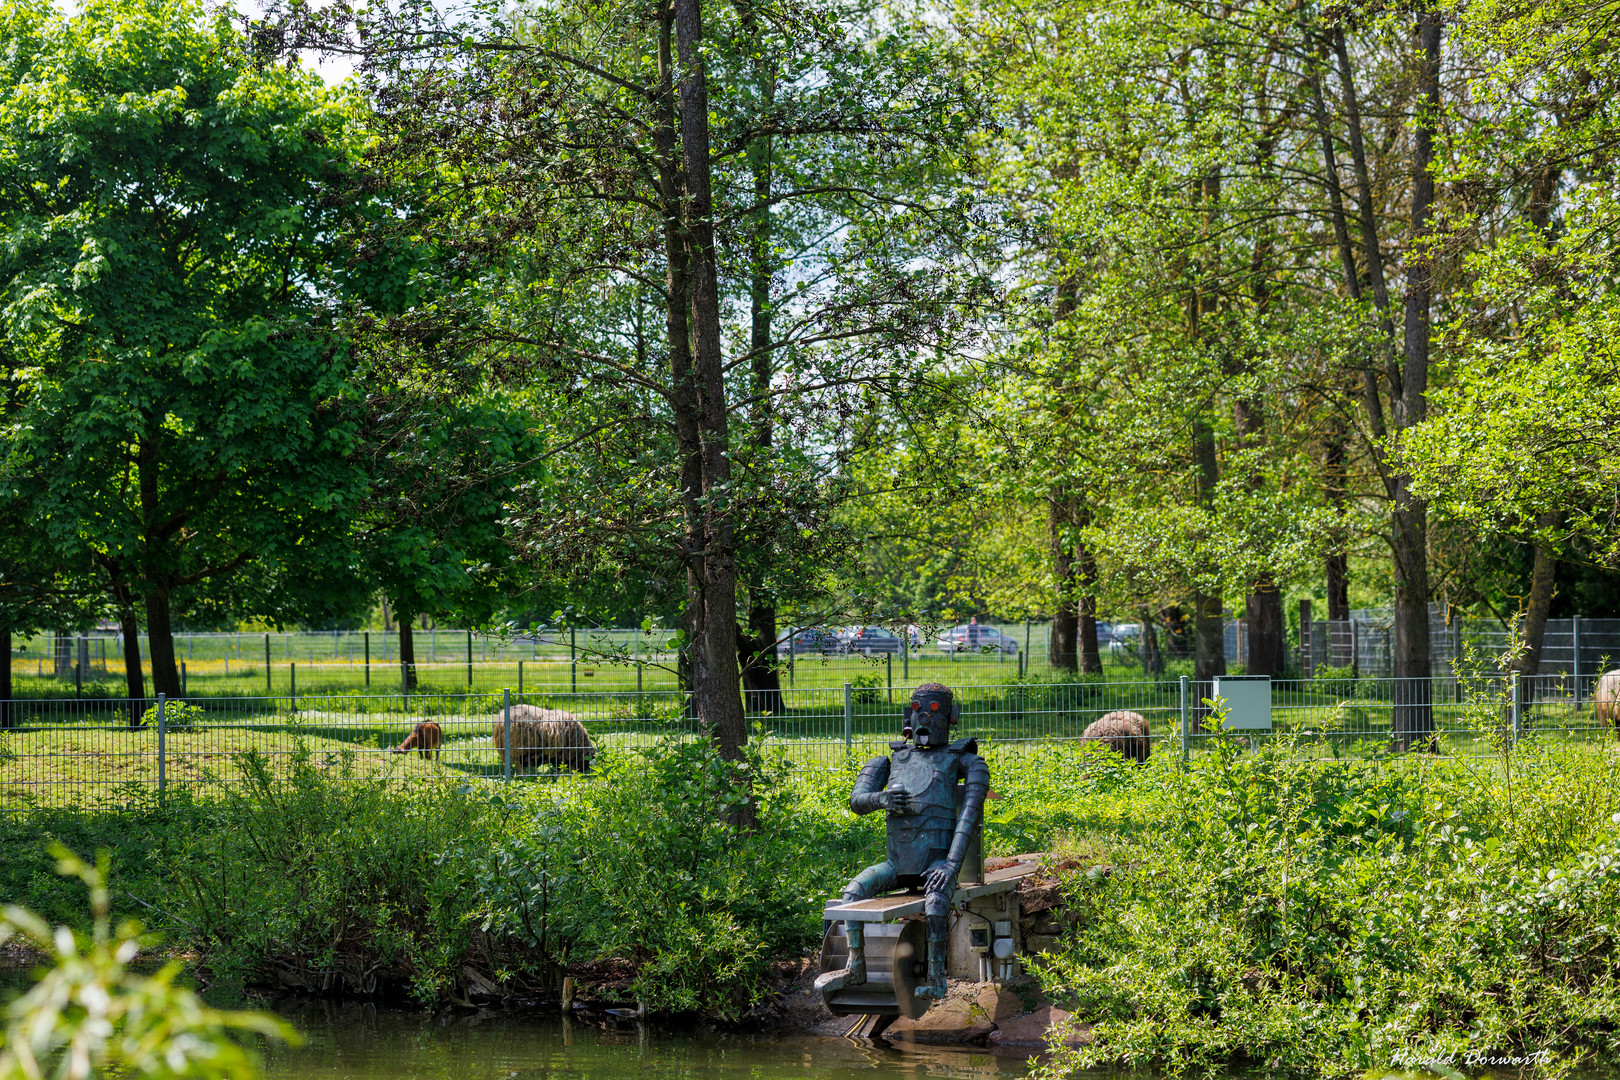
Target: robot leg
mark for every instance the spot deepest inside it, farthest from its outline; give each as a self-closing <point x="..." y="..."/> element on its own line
<point x="937" y="918"/>
<point x="868" y="883"/>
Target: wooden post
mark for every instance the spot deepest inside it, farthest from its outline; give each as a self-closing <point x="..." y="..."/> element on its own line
<point x="267" y="689"/>
<point x="368" y="659"/>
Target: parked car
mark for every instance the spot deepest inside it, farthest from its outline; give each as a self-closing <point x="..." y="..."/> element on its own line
<point x="870" y="639"/>
<point x="809" y="641"/>
<point x="976" y="638"/>
<point x="1124" y="637"/>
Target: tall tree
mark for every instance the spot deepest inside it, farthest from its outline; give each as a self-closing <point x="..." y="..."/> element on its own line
<point x="168" y="212"/>
<point x="596" y="163"/>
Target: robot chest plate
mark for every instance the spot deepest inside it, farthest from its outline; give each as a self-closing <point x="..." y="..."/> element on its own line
<point x="921" y="775"/>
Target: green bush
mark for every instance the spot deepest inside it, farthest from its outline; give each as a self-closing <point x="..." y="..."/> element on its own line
<point x="177" y="716"/>
<point x="1327" y="918"/>
<point x="654" y="863"/>
<point x="335" y="880"/>
<point x="90" y="1014"/>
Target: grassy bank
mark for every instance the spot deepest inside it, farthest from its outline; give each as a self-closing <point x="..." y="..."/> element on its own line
<point x="1264" y="909"/>
<point x="1314" y="918"/>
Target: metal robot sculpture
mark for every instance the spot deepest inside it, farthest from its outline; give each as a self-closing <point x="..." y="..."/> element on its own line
<point x="928" y="835"/>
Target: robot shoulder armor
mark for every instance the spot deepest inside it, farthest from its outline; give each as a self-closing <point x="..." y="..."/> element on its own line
<point x="965" y="746"/>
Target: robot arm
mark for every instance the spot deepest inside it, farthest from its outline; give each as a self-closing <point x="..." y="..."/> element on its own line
<point x="978" y="786"/>
<point x="868" y="793"/>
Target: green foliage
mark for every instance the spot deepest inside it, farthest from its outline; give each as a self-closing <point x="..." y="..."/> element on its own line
<point x="177" y="716"/>
<point x="332" y="875"/>
<point x="167" y="280"/>
<point x="90" y="1015"/>
<point x="650" y="864"/>
<point x="1322" y="918"/>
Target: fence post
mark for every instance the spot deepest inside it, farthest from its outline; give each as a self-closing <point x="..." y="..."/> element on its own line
<point x="573" y="664"/>
<point x="183" y="691"/>
<point x="163" y="734"/>
<point x="888" y="664"/>
<point x="78" y="681"/>
<point x="905" y="656"/>
<point x="1515" y="691"/>
<point x="1186" y="718"/>
<point x="267" y="688"/>
<point x="506" y="723"/>
<point x="469" y="659"/>
<point x="849" y="717"/>
<point x="292" y="679"/>
<point x="520" y="678"/>
<point x="1575" y="663"/>
<point x="368" y="659"/>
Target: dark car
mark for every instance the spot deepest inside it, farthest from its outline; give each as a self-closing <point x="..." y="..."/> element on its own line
<point x="976" y="638"/>
<point x="810" y="641"/>
<point x="870" y="639"/>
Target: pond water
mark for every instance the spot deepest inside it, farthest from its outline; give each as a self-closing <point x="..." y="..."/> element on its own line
<point x="366" y="1042"/>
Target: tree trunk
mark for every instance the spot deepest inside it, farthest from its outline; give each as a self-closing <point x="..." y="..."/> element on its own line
<point x="1090" y="654"/>
<point x="134" y="677"/>
<point x="1064" y="650"/>
<point x="718" y="692"/>
<point x="8" y="717"/>
<point x="1209" y="646"/>
<point x="1413" y="721"/>
<point x="1152" y="657"/>
<point x="1266" y="629"/>
<point x="1527" y="663"/>
<point x="407" y="646"/>
<point x="160" y="638"/>
<point x="761" y="676"/>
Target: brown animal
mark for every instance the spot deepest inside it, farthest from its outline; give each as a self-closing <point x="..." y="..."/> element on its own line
<point x="1606" y="698"/>
<point x="545" y="737"/>
<point x="425" y="738"/>
<point x="1123" y="732"/>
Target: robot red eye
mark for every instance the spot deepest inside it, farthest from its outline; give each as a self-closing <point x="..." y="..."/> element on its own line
<point x="934" y="706"/>
<point x="914" y="705"/>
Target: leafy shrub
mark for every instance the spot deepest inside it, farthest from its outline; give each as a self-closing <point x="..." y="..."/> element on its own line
<point x="89" y="1014"/>
<point x="651" y="863"/>
<point x="866" y="690"/>
<point x="1330" y="917"/>
<point x="332" y="877"/>
<point x="177" y="716"/>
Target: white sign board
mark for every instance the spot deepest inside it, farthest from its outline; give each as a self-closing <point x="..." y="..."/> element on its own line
<point x="1248" y="701"/>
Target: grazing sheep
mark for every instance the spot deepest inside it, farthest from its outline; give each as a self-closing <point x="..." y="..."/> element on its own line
<point x="545" y="737"/>
<point x="1606" y="698"/>
<point x="425" y="738"/>
<point x="1123" y="732"/>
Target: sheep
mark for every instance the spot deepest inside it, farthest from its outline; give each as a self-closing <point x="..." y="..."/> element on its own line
<point x="425" y="738"/>
<point x="545" y="737"/>
<point x="1606" y="698"/>
<point x="1124" y="732"/>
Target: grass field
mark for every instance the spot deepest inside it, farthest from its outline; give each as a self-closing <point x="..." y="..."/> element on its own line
<point x="228" y="677"/>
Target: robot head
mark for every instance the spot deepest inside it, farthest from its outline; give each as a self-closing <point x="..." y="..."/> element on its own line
<point x="929" y="717"/>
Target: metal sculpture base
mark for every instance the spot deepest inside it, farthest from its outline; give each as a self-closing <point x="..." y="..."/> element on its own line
<point x="896" y="964"/>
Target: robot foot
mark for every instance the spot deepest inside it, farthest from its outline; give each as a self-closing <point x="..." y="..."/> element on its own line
<point x="934" y="990"/>
<point x="833" y="981"/>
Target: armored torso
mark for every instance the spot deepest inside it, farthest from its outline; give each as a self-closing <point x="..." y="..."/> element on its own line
<point x="922" y="837"/>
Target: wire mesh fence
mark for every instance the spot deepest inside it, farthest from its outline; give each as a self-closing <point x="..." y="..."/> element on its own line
<point x="110" y="752"/>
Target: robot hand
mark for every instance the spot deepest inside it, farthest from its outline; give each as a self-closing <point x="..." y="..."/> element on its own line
<point x="939" y="875"/>
<point x="896" y="800"/>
